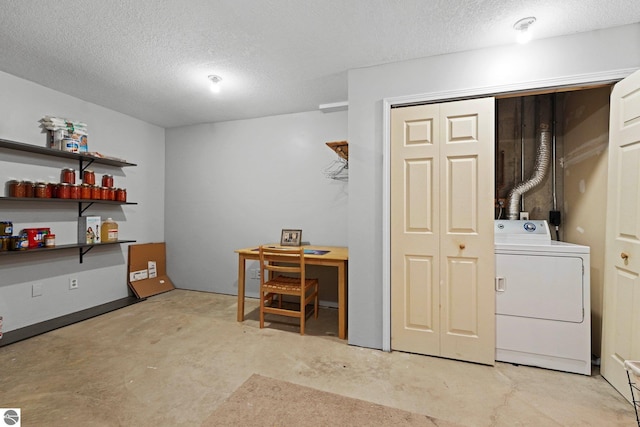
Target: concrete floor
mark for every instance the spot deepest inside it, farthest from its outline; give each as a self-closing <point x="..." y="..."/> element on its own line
<point x="172" y="359"/>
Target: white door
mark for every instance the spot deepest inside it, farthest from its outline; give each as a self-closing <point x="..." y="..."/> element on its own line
<point x="415" y="229"/>
<point x="442" y="262"/>
<point x="621" y="310"/>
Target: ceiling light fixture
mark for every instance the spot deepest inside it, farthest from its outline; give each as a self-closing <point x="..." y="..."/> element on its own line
<point x="215" y="83"/>
<point x="522" y="27"/>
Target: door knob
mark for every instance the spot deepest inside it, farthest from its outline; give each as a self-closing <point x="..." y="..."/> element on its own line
<point x="624" y="256"/>
<point x="462" y="246"/>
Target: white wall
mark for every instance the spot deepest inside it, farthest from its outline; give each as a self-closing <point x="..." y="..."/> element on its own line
<point x="236" y="184"/>
<point x="586" y="139"/>
<point x="102" y="276"/>
<point x="576" y="55"/>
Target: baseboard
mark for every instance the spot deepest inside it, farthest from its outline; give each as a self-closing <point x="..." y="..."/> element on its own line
<point x="66" y="320"/>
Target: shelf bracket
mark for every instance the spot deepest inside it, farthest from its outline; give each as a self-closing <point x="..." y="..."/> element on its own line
<point x="83" y="252"/>
<point x="83" y="166"/>
<point x="82" y="210"/>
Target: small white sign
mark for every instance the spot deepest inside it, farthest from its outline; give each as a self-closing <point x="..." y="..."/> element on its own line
<point x="138" y="275"/>
<point x="11" y="417"/>
<point x="153" y="273"/>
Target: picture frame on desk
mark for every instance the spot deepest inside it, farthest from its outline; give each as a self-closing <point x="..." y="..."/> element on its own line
<point x="290" y="237"/>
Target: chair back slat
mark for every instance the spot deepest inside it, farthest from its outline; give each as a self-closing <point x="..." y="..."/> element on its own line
<point x="273" y="258"/>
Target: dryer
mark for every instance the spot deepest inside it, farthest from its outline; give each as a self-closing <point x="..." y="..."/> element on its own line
<point x="543" y="315"/>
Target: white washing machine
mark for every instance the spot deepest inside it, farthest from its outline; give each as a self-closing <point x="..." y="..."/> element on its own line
<point x="543" y="315"/>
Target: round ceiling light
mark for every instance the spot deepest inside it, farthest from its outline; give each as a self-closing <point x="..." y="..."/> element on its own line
<point x="215" y="83"/>
<point x="522" y="27"/>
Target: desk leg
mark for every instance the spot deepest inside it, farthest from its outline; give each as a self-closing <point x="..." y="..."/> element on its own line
<point x="342" y="301"/>
<point x="241" y="270"/>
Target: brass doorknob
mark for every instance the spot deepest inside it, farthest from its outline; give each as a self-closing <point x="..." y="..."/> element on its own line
<point x="462" y="246"/>
<point x="624" y="256"/>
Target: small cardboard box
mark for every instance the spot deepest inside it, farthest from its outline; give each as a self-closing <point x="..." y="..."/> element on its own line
<point x="89" y="229"/>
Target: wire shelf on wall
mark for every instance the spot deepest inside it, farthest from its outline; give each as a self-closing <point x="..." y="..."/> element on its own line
<point x="338" y="169"/>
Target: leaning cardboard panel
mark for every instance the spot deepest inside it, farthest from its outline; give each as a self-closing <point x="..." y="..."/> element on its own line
<point x="148" y="269"/>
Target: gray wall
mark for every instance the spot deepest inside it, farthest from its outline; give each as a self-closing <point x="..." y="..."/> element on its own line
<point x="557" y="58"/>
<point x="102" y="276"/>
<point x="237" y="184"/>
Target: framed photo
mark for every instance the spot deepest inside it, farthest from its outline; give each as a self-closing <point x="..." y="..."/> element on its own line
<point x="290" y="237"/>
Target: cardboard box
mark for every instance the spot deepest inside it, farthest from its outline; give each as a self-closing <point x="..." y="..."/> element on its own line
<point x="147" y="269"/>
<point x="89" y="229"/>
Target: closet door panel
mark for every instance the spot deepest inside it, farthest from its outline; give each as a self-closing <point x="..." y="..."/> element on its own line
<point x="415" y="262"/>
<point x="466" y="230"/>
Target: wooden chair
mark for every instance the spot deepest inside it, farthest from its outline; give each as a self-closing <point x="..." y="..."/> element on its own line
<point x="274" y="261"/>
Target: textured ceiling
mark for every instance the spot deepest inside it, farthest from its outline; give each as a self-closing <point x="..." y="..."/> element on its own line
<point x="150" y="58"/>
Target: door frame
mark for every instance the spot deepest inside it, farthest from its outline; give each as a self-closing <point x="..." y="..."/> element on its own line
<point x="454" y="95"/>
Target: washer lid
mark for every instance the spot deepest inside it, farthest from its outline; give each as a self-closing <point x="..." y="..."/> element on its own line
<point x="530" y="232"/>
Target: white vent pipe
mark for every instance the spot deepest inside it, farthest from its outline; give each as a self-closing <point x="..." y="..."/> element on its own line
<point x="539" y="172"/>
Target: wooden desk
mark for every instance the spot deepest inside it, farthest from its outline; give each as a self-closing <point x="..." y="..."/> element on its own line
<point x="336" y="257"/>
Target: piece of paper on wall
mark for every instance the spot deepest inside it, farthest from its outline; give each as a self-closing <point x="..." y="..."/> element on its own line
<point x="153" y="273"/>
<point x="138" y="275"/>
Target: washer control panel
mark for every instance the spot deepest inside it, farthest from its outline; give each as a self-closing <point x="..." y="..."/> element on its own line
<point x="522" y="231"/>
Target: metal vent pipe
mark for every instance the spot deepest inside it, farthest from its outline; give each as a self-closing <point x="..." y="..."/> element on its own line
<point x="539" y="172"/>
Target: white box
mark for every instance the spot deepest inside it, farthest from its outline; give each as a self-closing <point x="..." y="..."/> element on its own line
<point x="89" y="229"/>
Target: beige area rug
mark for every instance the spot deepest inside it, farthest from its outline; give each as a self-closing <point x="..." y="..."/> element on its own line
<point x="263" y="401"/>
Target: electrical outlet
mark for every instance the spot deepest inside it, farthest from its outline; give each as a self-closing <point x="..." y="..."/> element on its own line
<point x="255" y="273"/>
<point x="73" y="283"/>
<point x="36" y="289"/>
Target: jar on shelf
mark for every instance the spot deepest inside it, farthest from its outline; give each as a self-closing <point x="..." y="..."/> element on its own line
<point x="40" y="190"/>
<point x="49" y="240"/>
<point x="96" y="193"/>
<point x="16" y="188"/>
<point x="88" y="177"/>
<point x="6" y="228"/>
<point x="74" y="191"/>
<point x="5" y="243"/>
<point x="85" y="191"/>
<point x="52" y="189"/>
<point x="19" y="243"/>
<point x="63" y="191"/>
<point x="68" y="176"/>
<point x="29" y="188"/>
<point x="107" y="180"/>
<point x="104" y="193"/>
<point x="121" y="195"/>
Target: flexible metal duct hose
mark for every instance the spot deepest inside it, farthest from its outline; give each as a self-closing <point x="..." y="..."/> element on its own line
<point x="539" y="172"/>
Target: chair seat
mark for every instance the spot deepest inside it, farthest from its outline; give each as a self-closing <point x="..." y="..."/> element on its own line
<point x="288" y="284"/>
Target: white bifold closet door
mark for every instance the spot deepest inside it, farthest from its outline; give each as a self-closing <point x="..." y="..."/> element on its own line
<point x="442" y="248"/>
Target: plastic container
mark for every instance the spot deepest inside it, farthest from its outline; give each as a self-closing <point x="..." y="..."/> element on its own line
<point x="109" y="231"/>
<point x="49" y="240"/>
